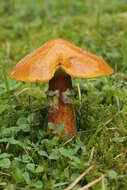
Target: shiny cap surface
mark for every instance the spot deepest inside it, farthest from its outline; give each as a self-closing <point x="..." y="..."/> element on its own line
<point x="41" y="64"/>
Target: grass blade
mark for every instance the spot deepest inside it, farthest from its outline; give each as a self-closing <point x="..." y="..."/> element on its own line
<point x="7" y="86"/>
<point x="93" y="137"/>
<point x="124" y="49"/>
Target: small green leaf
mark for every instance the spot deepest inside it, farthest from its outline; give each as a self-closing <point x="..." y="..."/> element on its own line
<point x="25" y="158"/>
<point x="43" y="153"/>
<point x="5" y="155"/>
<point x="67" y="152"/>
<point x="54" y="156"/>
<point x="31" y="167"/>
<point x="60" y="128"/>
<point x="118" y="139"/>
<point x="18" y="175"/>
<point x="21" y="120"/>
<point x="2" y="108"/>
<point x="38" y="184"/>
<point x="112" y="174"/>
<point x="24" y="127"/>
<point x="26" y="177"/>
<point x="5" y="163"/>
<point x="39" y="169"/>
<point x="51" y="126"/>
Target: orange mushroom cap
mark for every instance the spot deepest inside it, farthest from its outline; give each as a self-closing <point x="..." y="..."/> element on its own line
<point x="41" y="64"/>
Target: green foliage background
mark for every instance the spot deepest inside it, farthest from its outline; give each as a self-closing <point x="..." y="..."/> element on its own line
<point x="30" y="157"/>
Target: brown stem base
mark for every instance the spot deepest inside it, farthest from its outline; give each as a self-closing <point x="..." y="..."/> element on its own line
<point x="64" y="114"/>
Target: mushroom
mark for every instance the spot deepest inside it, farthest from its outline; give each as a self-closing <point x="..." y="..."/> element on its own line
<point x="57" y="61"/>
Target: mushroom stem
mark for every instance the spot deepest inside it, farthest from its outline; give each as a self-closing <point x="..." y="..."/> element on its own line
<point x="61" y="109"/>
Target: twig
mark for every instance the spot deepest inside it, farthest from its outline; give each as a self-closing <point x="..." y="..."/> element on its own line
<point x="103" y="184"/>
<point x="3" y="173"/>
<point x="26" y="89"/>
<point x="111" y="128"/>
<point x="79" y="178"/>
<point x="68" y="141"/>
<point x="92" y="183"/>
<point x="79" y="92"/>
<point x="117" y="103"/>
<point x="119" y="155"/>
<point x="91" y="156"/>
<point x="60" y="184"/>
<point x="8" y="50"/>
<point x="86" y="131"/>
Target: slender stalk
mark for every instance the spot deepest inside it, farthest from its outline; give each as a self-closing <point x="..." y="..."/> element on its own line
<point x="61" y="109"/>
